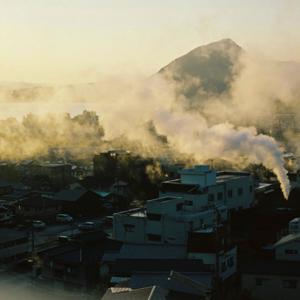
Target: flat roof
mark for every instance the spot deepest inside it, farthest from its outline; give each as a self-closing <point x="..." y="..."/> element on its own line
<point x="164" y="199"/>
<point x="223" y="176"/>
<point x="135" y="212"/>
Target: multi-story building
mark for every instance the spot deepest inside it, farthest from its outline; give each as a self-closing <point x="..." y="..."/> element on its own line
<point x="187" y="225"/>
<point x="165" y="220"/>
<point x="201" y="187"/>
<point x="187" y="204"/>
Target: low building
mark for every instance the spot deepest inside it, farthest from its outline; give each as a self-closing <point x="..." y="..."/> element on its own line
<point x="36" y="206"/>
<point x="277" y="280"/>
<point x="75" y="264"/>
<point x="279" y="277"/>
<point x="82" y="201"/>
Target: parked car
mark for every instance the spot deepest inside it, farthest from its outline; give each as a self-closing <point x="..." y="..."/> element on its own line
<point x="63" y="238"/>
<point x="37" y="224"/>
<point x="87" y="226"/>
<point x="64" y="218"/>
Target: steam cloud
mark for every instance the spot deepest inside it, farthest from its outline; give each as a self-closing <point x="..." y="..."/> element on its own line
<point x="224" y="128"/>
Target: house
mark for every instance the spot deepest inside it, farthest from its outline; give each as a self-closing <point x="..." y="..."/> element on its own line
<point x="148" y="293"/>
<point x="37" y="205"/>
<point x="179" y="285"/>
<point x="82" y="201"/>
<point x="278" y="277"/>
<point x="277" y="280"/>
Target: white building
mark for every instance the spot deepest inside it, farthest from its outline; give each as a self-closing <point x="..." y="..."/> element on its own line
<point x="201" y="187"/>
<point x="165" y="220"/>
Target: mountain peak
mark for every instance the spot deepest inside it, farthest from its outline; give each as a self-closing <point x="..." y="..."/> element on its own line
<point x="209" y="69"/>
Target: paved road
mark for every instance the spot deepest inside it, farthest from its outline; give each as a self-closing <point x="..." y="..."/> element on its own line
<point x="53" y="231"/>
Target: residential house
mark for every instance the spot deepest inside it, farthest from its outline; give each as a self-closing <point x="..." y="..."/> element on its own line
<point x="82" y="201"/>
<point x="38" y="206"/>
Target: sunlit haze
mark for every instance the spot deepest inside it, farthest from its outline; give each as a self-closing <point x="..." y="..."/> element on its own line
<point x="64" y="41"/>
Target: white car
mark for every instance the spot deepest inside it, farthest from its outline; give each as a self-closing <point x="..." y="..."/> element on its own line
<point x="87" y="226"/>
<point x="64" y="218"/>
<point x="37" y="224"/>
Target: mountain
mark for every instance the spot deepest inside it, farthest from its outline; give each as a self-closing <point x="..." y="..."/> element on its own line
<point x="205" y="71"/>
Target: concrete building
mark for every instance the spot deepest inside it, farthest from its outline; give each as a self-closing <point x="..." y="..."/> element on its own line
<point x="188" y="204"/>
<point x="165" y="220"/>
<point x="201" y="187"/>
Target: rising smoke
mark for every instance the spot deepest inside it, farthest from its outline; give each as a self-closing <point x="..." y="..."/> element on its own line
<point x="224" y="128"/>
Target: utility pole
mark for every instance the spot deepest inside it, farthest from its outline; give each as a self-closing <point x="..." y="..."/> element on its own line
<point x="32" y="240"/>
<point x="217" y="258"/>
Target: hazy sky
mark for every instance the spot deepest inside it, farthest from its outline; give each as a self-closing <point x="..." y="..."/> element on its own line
<point x="81" y="40"/>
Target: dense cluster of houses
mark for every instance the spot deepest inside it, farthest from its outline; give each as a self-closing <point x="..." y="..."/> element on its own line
<point x="207" y="235"/>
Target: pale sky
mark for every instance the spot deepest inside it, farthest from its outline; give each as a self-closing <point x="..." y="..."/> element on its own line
<point x="65" y="41"/>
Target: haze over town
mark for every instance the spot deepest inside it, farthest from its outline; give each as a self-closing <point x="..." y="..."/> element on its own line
<point x="185" y="113"/>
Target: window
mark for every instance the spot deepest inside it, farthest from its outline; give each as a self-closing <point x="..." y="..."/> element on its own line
<point x="211" y="197"/>
<point x="129" y="227"/>
<point x="240" y="191"/>
<point x="223" y="267"/>
<point x="154" y="237"/>
<point x="289" y="284"/>
<point x="229" y="193"/>
<point x="220" y="196"/>
<point x="251" y="189"/>
<point x="291" y="251"/>
<point x="260" y="281"/>
<point x="154" y="217"/>
<point x="230" y="262"/>
<point x="179" y="206"/>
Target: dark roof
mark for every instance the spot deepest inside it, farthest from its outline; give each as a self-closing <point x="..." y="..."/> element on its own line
<point x="70" y="195"/>
<point x="177" y="186"/>
<point x="125" y="267"/>
<point x="188" y="284"/>
<point x="274" y="267"/>
<point x="120" y="183"/>
<point x="148" y="293"/>
<point x="73" y="252"/>
<point x="14" y="184"/>
<point x="15" y="195"/>
<point x="38" y="201"/>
